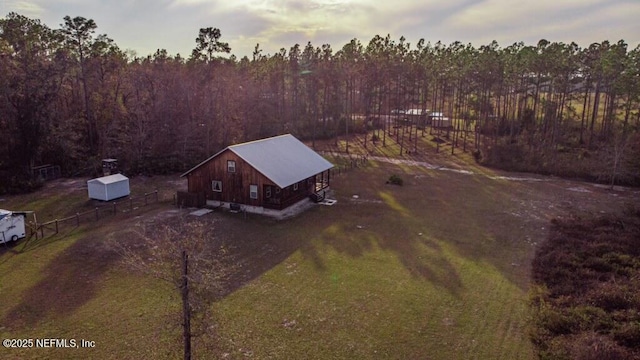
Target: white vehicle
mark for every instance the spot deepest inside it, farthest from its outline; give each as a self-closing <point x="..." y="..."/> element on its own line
<point x="11" y="226"/>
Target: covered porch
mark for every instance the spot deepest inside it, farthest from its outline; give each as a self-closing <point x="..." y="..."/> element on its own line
<point x="274" y="197"/>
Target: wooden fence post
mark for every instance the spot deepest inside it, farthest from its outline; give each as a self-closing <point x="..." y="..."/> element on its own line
<point x="130" y="204"/>
<point x="35" y="224"/>
<point x="114" y="208"/>
<point x="145" y="199"/>
<point x="97" y="218"/>
<point x="56" y="226"/>
<point x="186" y="309"/>
<point x="156" y="195"/>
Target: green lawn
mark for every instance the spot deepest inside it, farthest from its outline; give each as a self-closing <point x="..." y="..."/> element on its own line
<point x="435" y="269"/>
<point x="401" y="272"/>
<point x="70" y="286"/>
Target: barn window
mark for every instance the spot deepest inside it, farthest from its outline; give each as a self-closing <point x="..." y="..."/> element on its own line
<point x="267" y="192"/>
<point x="231" y="166"/>
<point x="216" y="185"/>
<point x="295" y="187"/>
<point x="253" y="191"/>
<point x="277" y="190"/>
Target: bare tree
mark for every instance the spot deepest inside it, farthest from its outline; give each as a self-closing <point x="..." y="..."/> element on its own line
<point x="620" y="154"/>
<point x="185" y="255"/>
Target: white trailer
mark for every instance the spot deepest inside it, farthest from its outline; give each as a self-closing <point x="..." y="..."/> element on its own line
<point x="12" y="226"/>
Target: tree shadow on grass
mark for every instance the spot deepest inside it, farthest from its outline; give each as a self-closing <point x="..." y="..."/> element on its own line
<point x="352" y="228"/>
<point x="430" y="265"/>
<point x="434" y="216"/>
<point x="69" y="281"/>
<point x="256" y="245"/>
<point x="10" y="247"/>
<point x="259" y="245"/>
<point x="73" y="277"/>
<point x="364" y="229"/>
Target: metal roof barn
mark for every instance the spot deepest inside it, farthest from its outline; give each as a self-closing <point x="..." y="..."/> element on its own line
<point x="283" y="159"/>
<point x="107" y="188"/>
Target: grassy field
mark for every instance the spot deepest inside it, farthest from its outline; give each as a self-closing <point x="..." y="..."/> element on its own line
<point x="436" y="269"/>
<point x="388" y="275"/>
<point x="71" y="285"/>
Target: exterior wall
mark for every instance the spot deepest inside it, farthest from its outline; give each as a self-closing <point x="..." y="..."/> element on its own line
<point x="97" y="190"/>
<point x="117" y="189"/>
<point x="235" y="186"/>
<point x="278" y="214"/>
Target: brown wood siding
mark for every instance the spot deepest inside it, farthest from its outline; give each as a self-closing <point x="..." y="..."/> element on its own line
<point x="288" y="196"/>
<point x="235" y="186"/>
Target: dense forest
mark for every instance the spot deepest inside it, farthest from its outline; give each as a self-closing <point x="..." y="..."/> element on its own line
<point x="71" y="97"/>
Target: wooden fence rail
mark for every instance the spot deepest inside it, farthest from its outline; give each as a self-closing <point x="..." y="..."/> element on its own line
<point x="349" y="162"/>
<point x="108" y="209"/>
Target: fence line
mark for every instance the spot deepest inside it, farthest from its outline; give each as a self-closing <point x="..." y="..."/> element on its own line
<point x="99" y="212"/>
<point x="353" y="161"/>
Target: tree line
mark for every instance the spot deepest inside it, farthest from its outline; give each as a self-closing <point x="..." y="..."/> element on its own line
<point x="71" y="97"/>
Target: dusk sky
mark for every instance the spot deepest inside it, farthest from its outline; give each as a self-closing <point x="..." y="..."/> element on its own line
<point x="147" y="25"/>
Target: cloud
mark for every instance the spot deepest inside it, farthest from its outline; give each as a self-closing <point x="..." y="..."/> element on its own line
<point x="529" y="21"/>
<point x="319" y="21"/>
<point x="146" y="25"/>
<point x="475" y="21"/>
<point x="27" y="8"/>
<point x="182" y="3"/>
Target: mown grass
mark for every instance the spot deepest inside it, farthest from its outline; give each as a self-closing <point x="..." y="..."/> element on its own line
<point x="69" y="286"/>
<point x="434" y="269"/>
<point x="400" y="272"/>
<point x="128" y="317"/>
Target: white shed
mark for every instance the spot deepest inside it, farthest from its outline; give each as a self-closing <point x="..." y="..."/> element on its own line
<point x="108" y="187"/>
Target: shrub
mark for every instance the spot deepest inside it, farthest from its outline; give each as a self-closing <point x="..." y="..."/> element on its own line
<point x="18" y="183"/>
<point x="395" y="180"/>
<point x="628" y="334"/>
<point x="611" y="296"/>
<point x="477" y="155"/>
<point x="584" y="300"/>
<point x="593" y="346"/>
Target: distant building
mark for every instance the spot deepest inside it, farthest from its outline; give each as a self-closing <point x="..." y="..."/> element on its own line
<point x="272" y="173"/>
<point x="416" y="112"/>
<point x="438" y="120"/>
<point x="415" y="116"/>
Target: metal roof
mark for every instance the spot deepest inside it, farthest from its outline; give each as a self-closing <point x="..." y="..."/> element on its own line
<point x="283" y="159"/>
<point x="109" y="179"/>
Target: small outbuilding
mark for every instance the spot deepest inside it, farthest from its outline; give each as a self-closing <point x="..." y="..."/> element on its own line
<point x="107" y="188"/>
